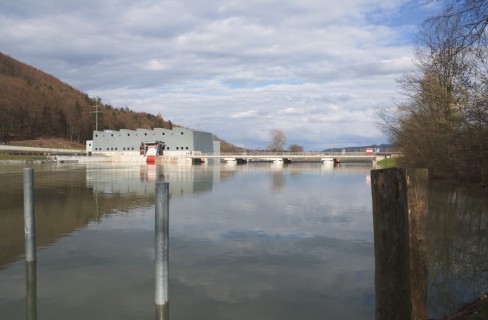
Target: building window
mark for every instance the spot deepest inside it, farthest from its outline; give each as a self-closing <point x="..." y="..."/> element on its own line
<point x="177" y="148"/>
<point x="181" y="132"/>
<point x="132" y="148"/>
<point x="128" y="134"/>
<point x="123" y="149"/>
<point x="108" y="149"/>
<point x="145" y="133"/>
<point x="167" y="148"/>
<point x="186" y="148"/>
<point x="112" y="135"/>
<point x="115" y="149"/>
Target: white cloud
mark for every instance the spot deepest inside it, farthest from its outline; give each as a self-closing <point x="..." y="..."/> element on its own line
<point x="315" y="69"/>
<point x="245" y="114"/>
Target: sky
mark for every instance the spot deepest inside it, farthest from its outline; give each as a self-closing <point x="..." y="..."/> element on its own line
<point x="319" y="70"/>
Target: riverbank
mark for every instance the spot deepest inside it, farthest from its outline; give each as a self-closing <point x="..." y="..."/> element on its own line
<point x="387" y="163"/>
<point x="53" y="143"/>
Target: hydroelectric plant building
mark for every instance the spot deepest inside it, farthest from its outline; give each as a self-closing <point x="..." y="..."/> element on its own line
<point x="177" y="141"/>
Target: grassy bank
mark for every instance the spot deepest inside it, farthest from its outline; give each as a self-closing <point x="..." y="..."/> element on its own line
<point x="387" y="163"/>
<point x="54" y="143"/>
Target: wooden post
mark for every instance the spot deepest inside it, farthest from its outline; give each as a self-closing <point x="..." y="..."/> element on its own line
<point x="417" y="184"/>
<point x="392" y="268"/>
<point x="400" y="234"/>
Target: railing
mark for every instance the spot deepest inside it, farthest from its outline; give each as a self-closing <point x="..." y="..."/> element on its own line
<point x="268" y="154"/>
<point x="40" y="150"/>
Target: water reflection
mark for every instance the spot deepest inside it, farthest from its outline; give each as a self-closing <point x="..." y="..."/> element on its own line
<point x="328" y="166"/>
<point x="162" y="312"/>
<point x="139" y="180"/>
<point x="238" y="247"/>
<point x="278" y="181"/>
<point x="458" y="247"/>
<point x="62" y="202"/>
<point x="246" y="242"/>
<point x="69" y="198"/>
<point x="31" y="290"/>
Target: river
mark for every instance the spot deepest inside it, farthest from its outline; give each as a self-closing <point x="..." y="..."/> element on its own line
<point x="256" y="241"/>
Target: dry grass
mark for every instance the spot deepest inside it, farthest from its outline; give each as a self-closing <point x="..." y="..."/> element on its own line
<point x="44" y="142"/>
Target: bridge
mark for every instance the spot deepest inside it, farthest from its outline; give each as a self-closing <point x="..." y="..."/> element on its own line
<point x="288" y="157"/>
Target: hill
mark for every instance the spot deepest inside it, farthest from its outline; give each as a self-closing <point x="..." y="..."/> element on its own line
<point x="383" y="147"/>
<point x="35" y="104"/>
<point x="227" y="147"/>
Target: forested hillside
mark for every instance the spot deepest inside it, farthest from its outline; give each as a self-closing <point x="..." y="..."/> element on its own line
<point x="34" y="104"/>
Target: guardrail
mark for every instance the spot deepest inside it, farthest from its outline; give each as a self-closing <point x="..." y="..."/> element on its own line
<point x="40" y="150"/>
<point x="290" y="155"/>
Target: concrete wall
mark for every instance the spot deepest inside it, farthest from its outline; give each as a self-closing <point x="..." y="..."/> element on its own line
<point x="177" y="139"/>
<point x="203" y="141"/>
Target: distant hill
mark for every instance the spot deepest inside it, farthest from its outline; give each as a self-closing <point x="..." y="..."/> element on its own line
<point x="35" y="104"/>
<point x="383" y="147"/>
<point x="228" y="147"/>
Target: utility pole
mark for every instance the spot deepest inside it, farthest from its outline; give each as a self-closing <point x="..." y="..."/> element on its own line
<point x="96" y="114"/>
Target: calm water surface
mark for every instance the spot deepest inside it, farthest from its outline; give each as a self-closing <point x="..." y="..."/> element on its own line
<point x="246" y="242"/>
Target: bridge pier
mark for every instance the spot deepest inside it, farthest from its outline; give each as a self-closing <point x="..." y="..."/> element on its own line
<point x="328" y="160"/>
<point x="231" y="160"/>
<point x="197" y="161"/>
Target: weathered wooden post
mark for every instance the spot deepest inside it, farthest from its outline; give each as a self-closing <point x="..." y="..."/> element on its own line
<point x="162" y="241"/>
<point x="417" y="184"/>
<point x="400" y="240"/>
<point x="392" y="267"/>
<point x="29" y="216"/>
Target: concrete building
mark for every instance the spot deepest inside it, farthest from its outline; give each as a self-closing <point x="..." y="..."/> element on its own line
<point x="177" y="142"/>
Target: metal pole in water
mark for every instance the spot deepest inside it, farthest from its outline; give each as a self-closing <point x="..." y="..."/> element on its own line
<point x="29" y="216"/>
<point x="31" y="290"/>
<point x="162" y="312"/>
<point x="162" y="240"/>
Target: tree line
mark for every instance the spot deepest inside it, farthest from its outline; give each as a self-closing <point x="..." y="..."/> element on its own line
<point x="442" y="122"/>
<point x="34" y="104"/>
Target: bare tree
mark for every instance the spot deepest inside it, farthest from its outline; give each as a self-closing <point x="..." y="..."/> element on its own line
<point x="442" y="123"/>
<point x="295" y="148"/>
<point x="277" y="140"/>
